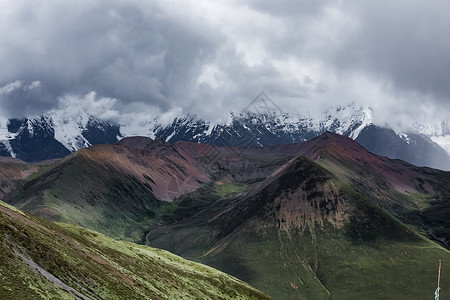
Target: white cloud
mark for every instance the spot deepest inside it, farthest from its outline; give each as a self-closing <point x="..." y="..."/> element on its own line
<point x="11" y="87"/>
<point x="102" y="108"/>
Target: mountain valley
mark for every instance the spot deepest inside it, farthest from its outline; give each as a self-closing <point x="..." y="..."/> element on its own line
<point x="224" y="150"/>
<point x="323" y="219"/>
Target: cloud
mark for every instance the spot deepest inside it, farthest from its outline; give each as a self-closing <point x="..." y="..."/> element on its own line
<point x="20" y="99"/>
<point x="404" y="43"/>
<point x="212" y="57"/>
<point x="11" y="87"/>
<point x="102" y="108"/>
<point x="126" y="50"/>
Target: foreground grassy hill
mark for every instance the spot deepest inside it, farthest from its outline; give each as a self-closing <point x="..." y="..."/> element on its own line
<point x="45" y="260"/>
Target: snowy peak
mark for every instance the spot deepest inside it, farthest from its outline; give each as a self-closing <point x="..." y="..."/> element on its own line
<point x="255" y="129"/>
<point x="252" y="129"/>
<point x="53" y="135"/>
<point x="62" y="131"/>
<point x="439" y="129"/>
<point x="438" y="132"/>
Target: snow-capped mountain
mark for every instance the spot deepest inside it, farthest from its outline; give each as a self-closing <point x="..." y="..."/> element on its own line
<point x="438" y="132"/>
<point x="413" y="147"/>
<point x="53" y="135"/>
<point x="257" y="130"/>
<point x="61" y="132"/>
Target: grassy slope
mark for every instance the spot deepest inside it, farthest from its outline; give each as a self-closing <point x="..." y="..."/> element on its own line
<point x="372" y="256"/>
<point x="427" y="209"/>
<point x="114" y="189"/>
<point x="418" y="196"/>
<point x="96" y="266"/>
<point x="95" y="196"/>
<point x="230" y="189"/>
<point x="379" y="257"/>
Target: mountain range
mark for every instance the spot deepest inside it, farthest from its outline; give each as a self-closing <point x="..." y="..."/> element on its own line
<point x="59" y="133"/>
<point x="321" y="219"/>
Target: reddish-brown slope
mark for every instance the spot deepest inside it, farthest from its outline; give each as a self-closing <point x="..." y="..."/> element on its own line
<point x="419" y="196"/>
<point x="370" y="172"/>
<point x="110" y="188"/>
<point x="167" y="170"/>
<point x="379" y="178"/>
<point x="13" y="170"/>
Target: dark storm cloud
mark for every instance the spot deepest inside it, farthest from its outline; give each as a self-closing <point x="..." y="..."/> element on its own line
<point x="405" y="42"/>
<point x="402" y="41"/>
<point x="289" y="8"/>
<point x="210" y="57"/>
<point x="20" y="99"/>
<point x="129" y="51"/>
<point x="401" y="47"/>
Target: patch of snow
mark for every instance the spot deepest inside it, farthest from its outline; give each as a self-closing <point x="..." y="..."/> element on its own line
<point x="366" y="120"/>
<point x="6" y="136"/>
<point x="68" y="127"/>
<point x="443" y="141"/>
<point x="170" y="136"/>
<point x="404" y="137"/>
<point x="209" y="129"/>
<point x="9" y="148"/>
<point x="439" y="133"/>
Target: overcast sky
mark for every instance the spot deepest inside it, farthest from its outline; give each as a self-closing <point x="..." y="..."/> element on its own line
<point x="206" y="57"/>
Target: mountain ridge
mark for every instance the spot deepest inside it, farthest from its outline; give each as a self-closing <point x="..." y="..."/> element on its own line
<point x="291" y="223"/>
<point x="261" y="211"/>
<point x="58" y="134"/>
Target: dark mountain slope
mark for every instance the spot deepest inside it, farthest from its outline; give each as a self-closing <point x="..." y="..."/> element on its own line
<point x="416" y="148"/>
<point x="414" y="194"/>
<point x="44" y="260"/>
<point x="35" y="140"/>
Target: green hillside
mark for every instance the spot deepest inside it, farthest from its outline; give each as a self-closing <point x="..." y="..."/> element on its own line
<point x="45" y="260"/>
<point x="111" y="189"/>
<point x="304" y="234"/>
